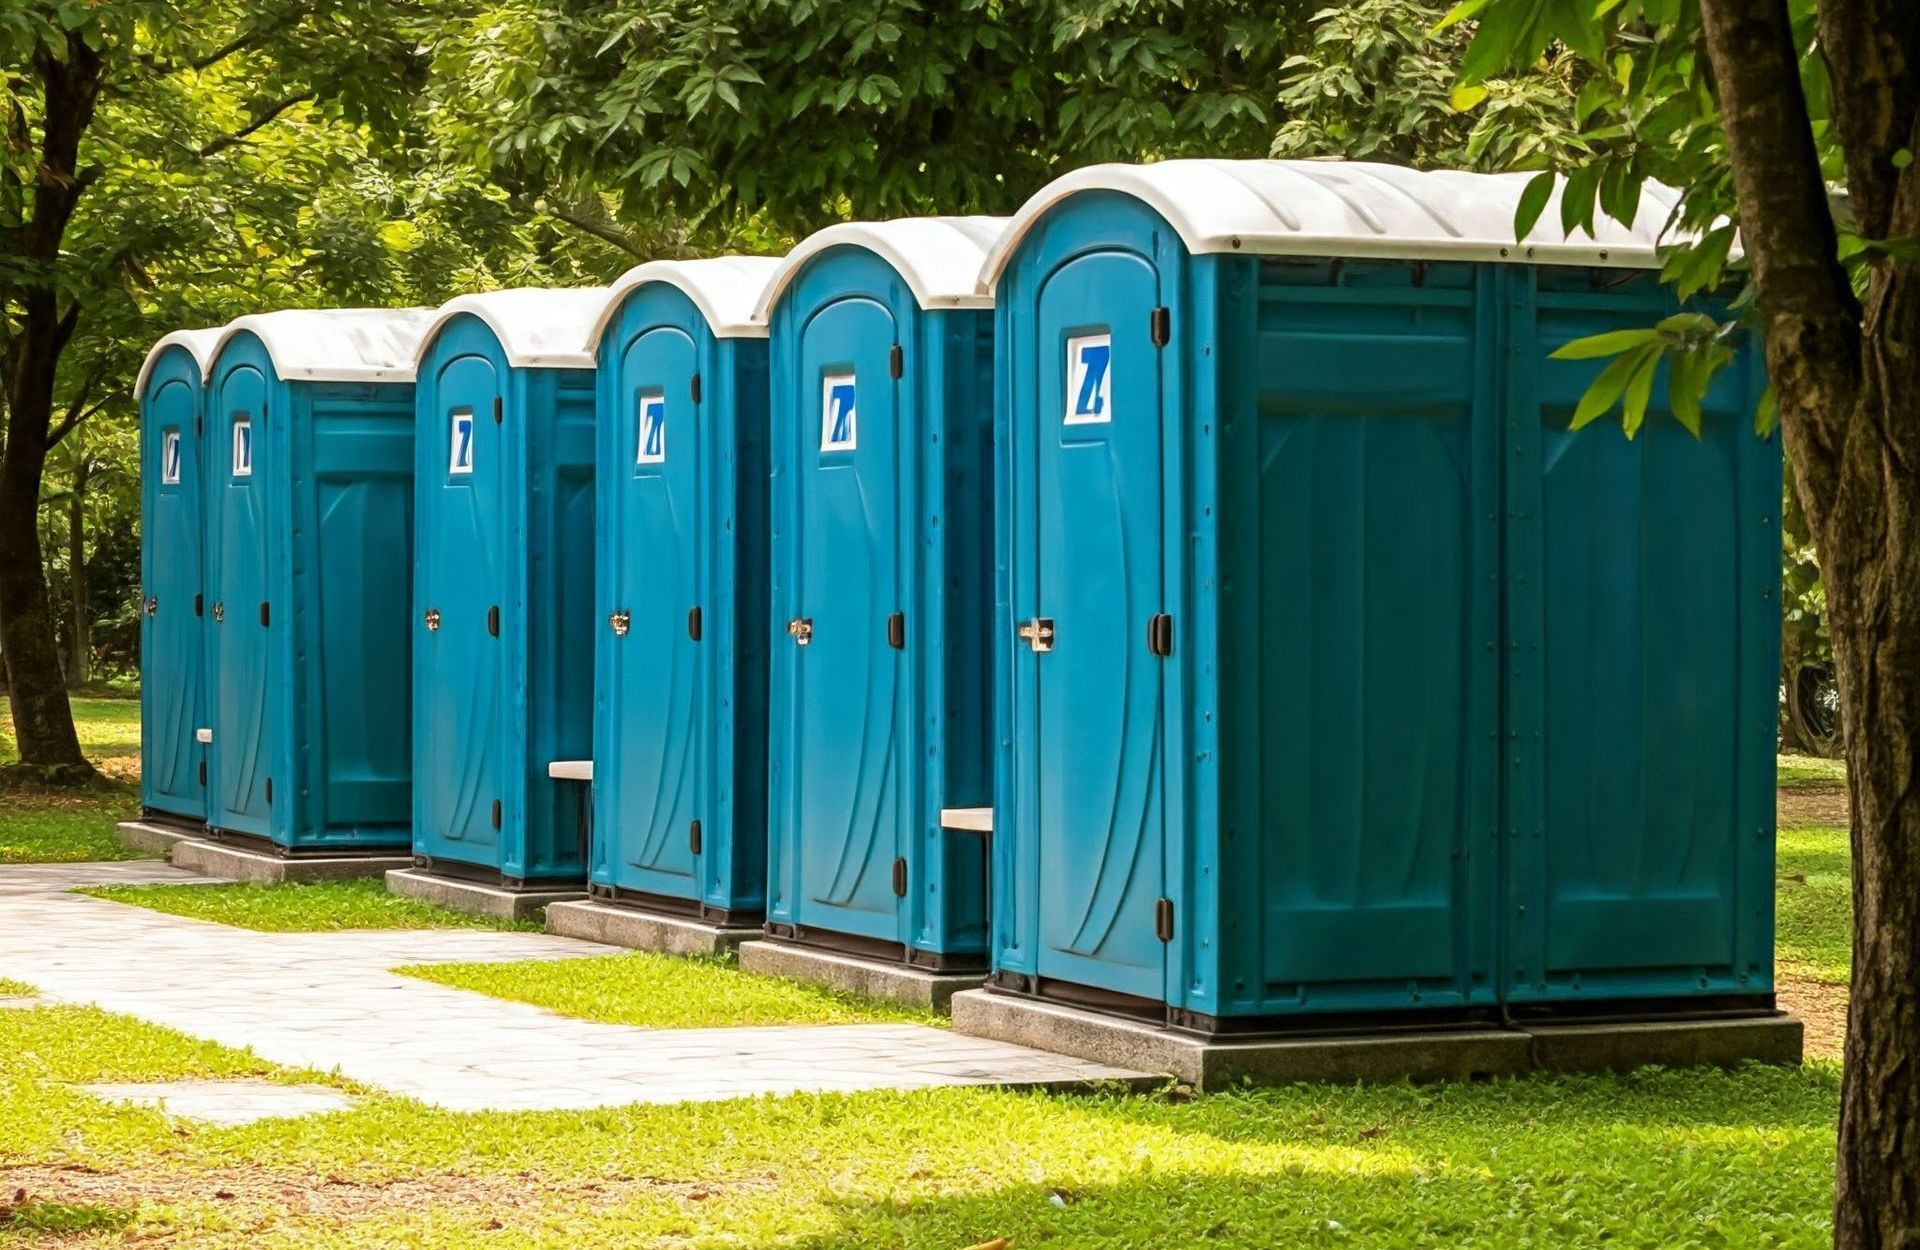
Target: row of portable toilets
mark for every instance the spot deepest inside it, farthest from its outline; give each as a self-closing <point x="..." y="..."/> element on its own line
<point x="1182" y="597"/>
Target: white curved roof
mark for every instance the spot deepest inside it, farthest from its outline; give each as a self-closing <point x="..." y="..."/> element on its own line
<point x="1350" y="208"/>
<point x="538" y="327"/>
<point x="335" y="344"/>
<point x="199" y="344"/>
<point x="723" y="288"/>
<point x="940" y="257"/>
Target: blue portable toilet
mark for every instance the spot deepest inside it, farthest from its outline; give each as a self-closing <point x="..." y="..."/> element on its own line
<point x="308" y="457"/>
<point x="171" y="388"/>
<point x="680" y="711"/>
<point x="881" y="366"/>
<point x="1335" y="677"/>
<point x="503" y="583"/>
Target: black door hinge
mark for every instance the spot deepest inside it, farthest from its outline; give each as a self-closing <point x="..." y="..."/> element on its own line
<point x="269" y="792"/>
<point x="897" y="631"/>
<point x="493" y="620"/>
<point x="696" y="388"/>
<point x="693" y="837"/>
<point x="693" y="624"/>
<point x="499" y="409"/>
<point x="1163" y="919"/>
<point x="265" y="614"/>
<point x="496" y="813"/>
<point x="199" y="605"/>
<point x="896" y="362"/>
<point x="203" y="773"/>
<point x="1160" y="634"/>
<point x="899" y="878"/>
<point x="1160" y="328"/>
<point x="199" y="427"/>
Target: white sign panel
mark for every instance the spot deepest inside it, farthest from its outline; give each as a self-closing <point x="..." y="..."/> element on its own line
<point x="1089" y="379"/>
<point x="839" y="424"/>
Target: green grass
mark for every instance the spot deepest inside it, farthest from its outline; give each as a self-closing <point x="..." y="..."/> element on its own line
<point x="663" y="992"/>
<point x="16" y="989"/>
<point x="1814" y="908"/>
<point x="1658" y="1159"/>
<point x="316" y="908"/>
<point x="1797" y="771"/>
<point x="39" y="825"/>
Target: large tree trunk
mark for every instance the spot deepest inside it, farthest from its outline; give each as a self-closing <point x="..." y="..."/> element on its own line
<point x="1847" y="375"/>
<point x="42" y="717"/>
<point x="79" y="600"/>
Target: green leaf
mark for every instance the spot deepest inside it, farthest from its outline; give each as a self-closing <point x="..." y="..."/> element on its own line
<point x="1463" y="98"/>
<point x="1686" y="386"/>
<point x="1766" y="413"/>
<point x="1502" y="29"/>
<point x="1611" y="343"/>
<point x="1533" y="202"/>
<point x="1605" y="390"/>
<point x="1458" y="13"/>
<point x="1576" y="199"/>
<point x="1633" y="406"/>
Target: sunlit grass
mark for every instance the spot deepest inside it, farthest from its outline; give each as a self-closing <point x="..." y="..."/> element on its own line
<point x="316" y="907"/>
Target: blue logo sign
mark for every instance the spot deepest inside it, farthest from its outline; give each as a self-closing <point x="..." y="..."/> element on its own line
<point x="460" y="457"/>
<point x="170" y="458"/>
<point x="1089" y="379"/>
<point x="243" y="447"/>
<point x="653" y="430"/>
<point x="839" y="424"/>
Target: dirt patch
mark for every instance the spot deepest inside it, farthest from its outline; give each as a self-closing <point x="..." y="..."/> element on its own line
<point x="1814" y="805"/>
<point x="1822" y="1008"/>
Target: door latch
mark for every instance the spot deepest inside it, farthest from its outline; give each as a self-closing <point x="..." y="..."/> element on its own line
<point x="219" y="612"/>
<point x="1037" y="633"/>
<point x="620" y="623"/>
<point x="432" y="618"/>
<point x="800" y="629"/>
<point x="153" y="605"/>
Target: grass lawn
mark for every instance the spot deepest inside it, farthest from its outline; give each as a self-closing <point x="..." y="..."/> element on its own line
<point x="42" y="825"/>
<point x="16" y="989"/>
<point x="320" y="907"/>
<point x="1660" y="1159"/>
<point x="1814" y="910"/>
<point x="663" y="992"/>
<point x="1810" y="770"/>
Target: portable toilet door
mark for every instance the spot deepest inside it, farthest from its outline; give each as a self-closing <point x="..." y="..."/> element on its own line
<point x="503" y="597"/>
<point x="308" y="458"/>
<point x="680" y="712"/>
<point x="171" y="387"/>
<point x="881" y="360"/>
<point x="1259" y="576"/>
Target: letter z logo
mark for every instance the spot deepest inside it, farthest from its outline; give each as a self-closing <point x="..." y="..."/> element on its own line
<point x="170" y="458"/>
<point x="460" y="440"/>
<point x="1089" y="379"/>
<point x="653" y="430"/>
<point x="839" y="424"/>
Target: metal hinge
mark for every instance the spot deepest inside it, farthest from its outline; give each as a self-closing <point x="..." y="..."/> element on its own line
<point x="493" y="620"/>
<point x="693" y="624"/>
<point x="1163" y="919"/>
<point x="800" y="629"/>
<point x="1037" y="633"/>
<point x="1160" y="634"/>
<point x="693" y="837"/>
<point x="203" y="772"/>
<point x="199" y="605"/>
<point x="199" y="427"/>
<point x="696" y="388"/>
<point x="897" y="631"/>
<point x="899" y="878"/>
<point x="620" y="623"/>
<point x="269" y="792"/>
<point x="499" y="409"/>
<point x="496" y="813"/>
<point x="265" y="614"/>
<point x="1160" y="327"/>
<point x="896" y="362"/>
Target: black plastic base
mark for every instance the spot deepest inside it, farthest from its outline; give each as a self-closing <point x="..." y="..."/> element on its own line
<point x="482" y="874"/>
<point x="876" y="949"/>
<point x="267" y="846"/>
<point x="681" y="908"/>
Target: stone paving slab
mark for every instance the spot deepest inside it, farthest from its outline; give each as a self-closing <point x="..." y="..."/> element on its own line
<point x="226" y="1103"/>
<point x="330" y="1001"/>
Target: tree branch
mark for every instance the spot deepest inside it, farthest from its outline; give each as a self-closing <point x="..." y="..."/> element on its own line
<point x="74" y="419"/>
<point x="600" y="230"/>
<point x="246" y="39"/>
<point x="259" y="121"/>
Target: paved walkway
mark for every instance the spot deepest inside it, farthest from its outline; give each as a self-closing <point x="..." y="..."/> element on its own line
<point x="328" y="1001"/>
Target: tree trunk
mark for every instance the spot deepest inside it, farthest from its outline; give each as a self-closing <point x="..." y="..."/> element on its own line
<point x="80" y="632"/>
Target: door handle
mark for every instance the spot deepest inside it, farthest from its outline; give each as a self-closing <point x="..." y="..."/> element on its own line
<point x="800" y="629"/>
<point x="219" y="612"/>
<point x="1037" y="633"/>
<point x="432" y="619"/>
<point x="153" y="605"/>
<point x="621" y="622"/>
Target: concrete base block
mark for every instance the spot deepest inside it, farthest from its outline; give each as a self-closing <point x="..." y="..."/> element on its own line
<point x="916" y="987"/>
<point x="252" y="867"/>
<point x="1622" y="1046"/>
<point x="1215" y="1063"/>
<point x="476" y="898"/>
<point x="643" y="930"/>
<point x="1436" y="1055"/>
<point x="150" y="837"/>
